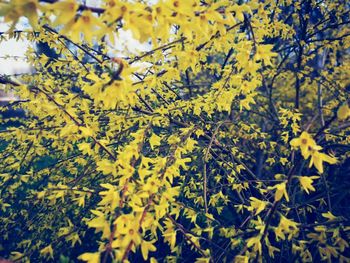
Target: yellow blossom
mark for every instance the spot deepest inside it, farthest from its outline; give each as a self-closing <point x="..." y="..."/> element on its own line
<point x="90" y="257"/>
<point x="306" y="182"/>
<point x="318" y="158"/>
<point x="65" y="11"/>
<point x="306" y="144"/>
<point x="47" y="252"/>
<point x="343" y="112"/>
<point x="86" y="23"/>
<point x="256" y="205"/>
<point x="280" y="191"/>
<point x="16" y="8"/>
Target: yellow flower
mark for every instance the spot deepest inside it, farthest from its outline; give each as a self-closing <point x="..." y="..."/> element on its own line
<point x="241" y="259"/>
<point x="255" y="243"/>
<point x="283" y="160"/>
<point x="65" y="11"/>
<point x="100" y="223"/>
<point x="306" y="182"/>
<point x="181" y="7"/>
<point x="280" y="191"/>
<point x="257" y="205"/>
<point x="154" y="140"/>
<point x="15" y="9"/>
<point x="329" y="216"/>
<point x="147" y="246"/>
<point x="131" y="233"/>
<point x="309" y="148"/>
<point x="343" y="112"/>
<point x="306" y="144"/>
<point x="90" y="257"/>
<point x="116" y="10"/>
<point x="286" y="226"/>
<point x="152" y="185"/>
<point x="318" y="158"/>
<point x="47" y="252"/>
<point x="87" y="24"/>
<point x="264" y="53"/>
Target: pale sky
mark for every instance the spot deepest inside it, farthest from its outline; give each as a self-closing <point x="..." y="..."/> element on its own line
<point x="13" y="48"/>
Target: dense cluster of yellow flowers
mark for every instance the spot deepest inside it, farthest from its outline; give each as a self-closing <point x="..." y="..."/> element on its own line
<point x="193" y="151"/>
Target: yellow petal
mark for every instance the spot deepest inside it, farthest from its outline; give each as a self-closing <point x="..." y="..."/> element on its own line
<point x="306" y="183"/>
<point x="343" y="112"/>
<point x="90" y="257"/>
<point x="329" y="216"/>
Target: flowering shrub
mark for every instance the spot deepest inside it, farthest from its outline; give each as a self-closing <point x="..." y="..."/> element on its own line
<point x="227" y="140"/>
